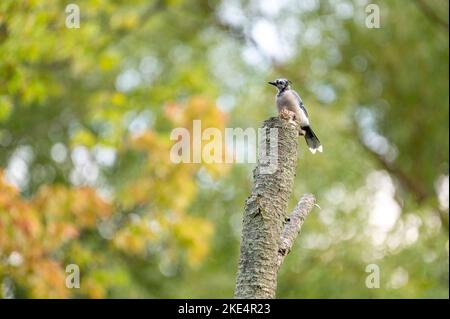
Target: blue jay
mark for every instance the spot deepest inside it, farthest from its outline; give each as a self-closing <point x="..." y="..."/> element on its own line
<point x="288" y="101"/>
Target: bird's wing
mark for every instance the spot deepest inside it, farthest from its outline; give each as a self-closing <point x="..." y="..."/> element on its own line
<point x="300" y="102"/>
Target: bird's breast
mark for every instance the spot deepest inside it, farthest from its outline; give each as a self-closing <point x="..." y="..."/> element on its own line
<point x="288" y="100"/>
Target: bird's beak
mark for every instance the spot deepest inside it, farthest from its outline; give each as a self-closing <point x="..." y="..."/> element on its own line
<point x="272" y="83"/>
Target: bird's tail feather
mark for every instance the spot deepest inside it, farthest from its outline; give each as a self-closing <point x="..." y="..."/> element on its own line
<point x="311" y="140"/>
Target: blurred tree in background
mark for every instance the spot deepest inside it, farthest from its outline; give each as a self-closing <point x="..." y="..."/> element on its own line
<point x="85" y="122"/>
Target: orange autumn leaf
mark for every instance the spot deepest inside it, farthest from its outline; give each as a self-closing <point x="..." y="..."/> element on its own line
<point x="87" y="206"/>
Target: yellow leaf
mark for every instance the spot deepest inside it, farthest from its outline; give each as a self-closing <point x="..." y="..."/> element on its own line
<point x="84" y="137"/>
<point x="118" y="99"/>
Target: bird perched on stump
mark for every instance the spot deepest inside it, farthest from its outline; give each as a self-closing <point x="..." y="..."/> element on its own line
<point x="290" y="106"/>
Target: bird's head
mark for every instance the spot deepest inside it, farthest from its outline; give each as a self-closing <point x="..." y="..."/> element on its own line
<point x="281" y="84"/>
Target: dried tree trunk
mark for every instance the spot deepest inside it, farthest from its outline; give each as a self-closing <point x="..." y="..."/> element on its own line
<point x="267" y="235"/>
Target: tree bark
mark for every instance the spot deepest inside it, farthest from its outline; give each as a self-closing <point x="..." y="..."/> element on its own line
<point x="267" y="236"/>
<point x="293" y="225"/>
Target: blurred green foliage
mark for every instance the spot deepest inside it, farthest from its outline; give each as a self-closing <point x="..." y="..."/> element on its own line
<point x="85" y="120"/>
